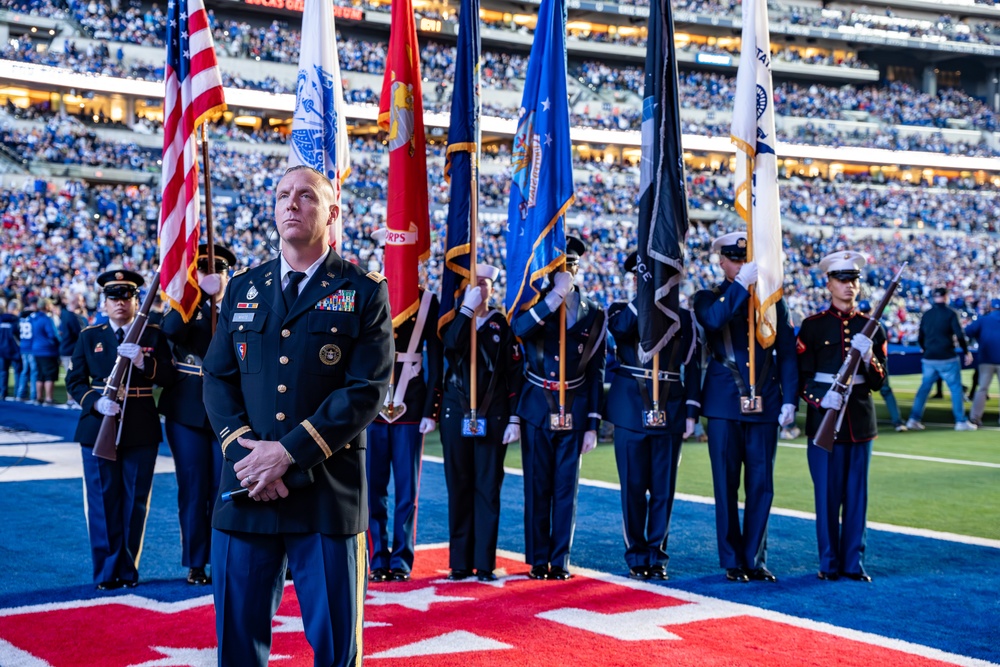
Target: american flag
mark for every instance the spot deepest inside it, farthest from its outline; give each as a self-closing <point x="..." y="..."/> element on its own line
<point x="193" y="92"/>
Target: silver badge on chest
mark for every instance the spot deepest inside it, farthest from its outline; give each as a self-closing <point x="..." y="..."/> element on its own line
<point x="252" y="293"/>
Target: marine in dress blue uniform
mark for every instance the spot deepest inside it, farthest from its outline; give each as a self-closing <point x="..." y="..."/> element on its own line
<point x="551" y="458"/>
<point x="298" y="368"/>
<point x="648" y="457"/>
<point x="738" y="443"/>
<point x="117" y="492"/>
<point x="840" y="477"/>
<point x="473" y="466"/>
<point x="196" y="451"/>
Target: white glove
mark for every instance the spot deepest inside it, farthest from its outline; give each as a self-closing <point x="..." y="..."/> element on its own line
<point x="863" y="344"/>
<point x="133" y="353"/>
<point x="426" y="426"/>
<point x="747" y="275"/>
<point x="511" y="434"/>
<point x="787" y="415"/>
<point x="832" y="400"/>
<point x="473" y="297"/>
<point x="589" y="441"/>
<point x="210" y="283"/>
<point x="107" y="407"/>
<point x="688" y="428"/>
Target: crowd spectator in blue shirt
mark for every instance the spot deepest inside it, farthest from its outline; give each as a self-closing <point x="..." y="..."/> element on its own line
<point x="986" y="330"/>
<point x="45" y="348"/>
<point x="10" y="345"/>
<point x="26" y="389"/>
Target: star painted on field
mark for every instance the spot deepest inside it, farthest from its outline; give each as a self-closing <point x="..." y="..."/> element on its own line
<point x="182" y="657"/>
<point x="288" y="624"/>
<point x="420" y="599"/>
<point x="546" y="104"/>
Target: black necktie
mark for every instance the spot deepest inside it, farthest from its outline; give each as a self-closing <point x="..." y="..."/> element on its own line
<point x="291" y="291"/>
<point x="120" y="335"/>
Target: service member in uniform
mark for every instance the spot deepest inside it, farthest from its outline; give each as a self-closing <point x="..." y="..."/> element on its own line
<point x="396" y="441"/>
<point x="648" y="456"/>
<point x="298" y="368"/>
<point x="840" y="478"/>
<point x="117" y="492"/>
<point x="196" y="450"/>
<point x="738" y="441"/>
<point x="551" y="456"/>
<point x="473" y="466"/>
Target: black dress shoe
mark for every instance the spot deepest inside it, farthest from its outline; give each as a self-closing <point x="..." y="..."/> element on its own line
<point x="658" y="572"/>
<point x="459" y="575"/>
<point x="828" y="576"/>
<point x="639" y="572"/>
<point x="288" y="574"/>
<point x="379" y="574"/>
<point x="399" y="575"/>
<point x="858" y="576"/>
<point x="762" y="574"/>
<point x="539" y="572"/>
<point x="485" y="575"/>
<point x="128" y="584"/>
<point x="737" y="574"/>
<point x="110" y="585"/>
<point x="559" y="574"/>
<point x="197" y="577"/>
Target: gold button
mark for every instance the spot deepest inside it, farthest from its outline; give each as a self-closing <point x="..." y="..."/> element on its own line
<point x="283" y="360"/>
<point x="285" y="333"/>
<point x="347" y="446"/>
<point x="282" y="389"/>
<point x="552" y="375"/>
<point x="333" y="330"/>
<point x="241" y="327"/>
<point x="556" y="357"/>
<point x="280" y="416"/>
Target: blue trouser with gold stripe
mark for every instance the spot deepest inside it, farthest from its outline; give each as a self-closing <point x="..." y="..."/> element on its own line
<point x="840" y="481"/>
<point x="248" y="578"/>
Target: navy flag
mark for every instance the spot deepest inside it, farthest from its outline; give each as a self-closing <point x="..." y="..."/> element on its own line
<point x="462" y="162"/>
<point x="542" y="181"/>
<point x="663" y="216"/>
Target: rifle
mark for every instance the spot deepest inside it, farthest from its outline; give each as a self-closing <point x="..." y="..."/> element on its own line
<point x="844" y="381"/>
<point x="106" y="445"/>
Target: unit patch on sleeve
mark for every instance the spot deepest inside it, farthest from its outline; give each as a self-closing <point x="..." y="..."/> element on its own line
<point x="341" y="301"/>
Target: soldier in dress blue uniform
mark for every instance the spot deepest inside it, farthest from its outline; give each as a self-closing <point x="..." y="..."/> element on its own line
<point x="298" y="368"/>
<point x="196" y="450"/>
<point x="551" y="457"/>
<point x="840" y="477"/>
<point x="473" y="466"/>
<point x="117" y="492"/>
<point x="396" y="439"/>
<point x="648" y="457"/>
<point x="738" y="441"/>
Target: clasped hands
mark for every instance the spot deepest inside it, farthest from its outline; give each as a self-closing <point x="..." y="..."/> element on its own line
<point x="262" y="469"/>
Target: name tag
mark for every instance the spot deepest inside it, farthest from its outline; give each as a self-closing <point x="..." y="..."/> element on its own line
<point x="341" y="301"/>
<point x="243" y="317"/>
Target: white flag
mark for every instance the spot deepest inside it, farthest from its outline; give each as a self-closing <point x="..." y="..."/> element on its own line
<point x="319" y="126"/>
<point x="754" y="136"/>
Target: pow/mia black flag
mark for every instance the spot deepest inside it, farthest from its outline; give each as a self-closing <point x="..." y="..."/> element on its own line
<point x="663" y="216"/>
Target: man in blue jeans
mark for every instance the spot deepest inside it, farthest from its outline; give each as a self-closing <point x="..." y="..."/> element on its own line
<point x="939" y="332"/>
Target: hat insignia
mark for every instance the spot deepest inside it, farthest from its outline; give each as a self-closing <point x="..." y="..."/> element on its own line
<point x="741" y="243"/>
<point x="119" y="276"/>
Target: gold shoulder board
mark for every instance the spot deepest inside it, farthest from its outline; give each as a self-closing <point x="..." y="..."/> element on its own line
<point x="376" y="276"/>
<point x="241" y="271"/>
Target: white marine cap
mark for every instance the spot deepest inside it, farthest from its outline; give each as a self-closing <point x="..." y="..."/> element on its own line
<point x="732" y="245"/>
<point x="378" y="235"/>
<point x="487" y="271"/>
<point x="844" y="264"/>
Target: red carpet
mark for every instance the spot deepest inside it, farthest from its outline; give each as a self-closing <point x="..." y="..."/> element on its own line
<point x="593" y="620"/>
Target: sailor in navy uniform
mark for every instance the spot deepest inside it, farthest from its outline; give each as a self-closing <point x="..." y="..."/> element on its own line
<point x="551" y="458"/>
<point x="297" y="369"/>
<point x="840" y="477"/>
<point x="117" y="492"/>
<point x="396" y="438"/>
<point x="196" y="451"/>
<point x="473" y="466"/>
<point x="739" y="442"/>
<point x="648" y="457"/>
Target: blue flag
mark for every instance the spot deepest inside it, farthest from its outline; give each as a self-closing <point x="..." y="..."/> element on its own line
<point x="462" y="159"/>
<point x="542" y="181"/>
<point x="663" y="215"/>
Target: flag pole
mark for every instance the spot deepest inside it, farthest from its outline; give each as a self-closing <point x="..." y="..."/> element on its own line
<point x="474" y="281"/>
<point x="562" y="354"/>
<point x="209" y="223"/>
<point x="752" y="315"/>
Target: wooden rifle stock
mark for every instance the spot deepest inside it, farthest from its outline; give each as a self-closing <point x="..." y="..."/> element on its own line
<point x="843" y="383"/>
<point x="106" y="445"/>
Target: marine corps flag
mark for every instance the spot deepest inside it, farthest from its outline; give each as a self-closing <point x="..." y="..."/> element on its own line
<point x="462" y="158"/>
<point x="663" y="216"/>
<point x="754" y="136"/>
<point x="319" y="124"/>
<point x="401" y="116"/>
<point x="542" y="181"/>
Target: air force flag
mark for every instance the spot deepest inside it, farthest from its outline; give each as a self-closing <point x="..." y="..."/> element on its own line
<point x="319" y="126"/>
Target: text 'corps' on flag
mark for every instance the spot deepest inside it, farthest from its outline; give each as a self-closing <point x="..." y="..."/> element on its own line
<point x="401" y="117"/>
<point x="319" y="125"/>
<point x="193" y="93"/>
<point x="663" y="216"/>
<point x="541" y="189"/>
<point x="755" y="139"/>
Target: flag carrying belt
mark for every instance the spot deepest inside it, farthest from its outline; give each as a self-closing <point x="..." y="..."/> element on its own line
<point x="581" y="368"/>
<point x="642" y="374"/>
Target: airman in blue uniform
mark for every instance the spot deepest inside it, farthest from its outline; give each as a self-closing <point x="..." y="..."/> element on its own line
<point x="550" y="452"/>
<point x="648" y="456"/>
<point x="743" y="443"/>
